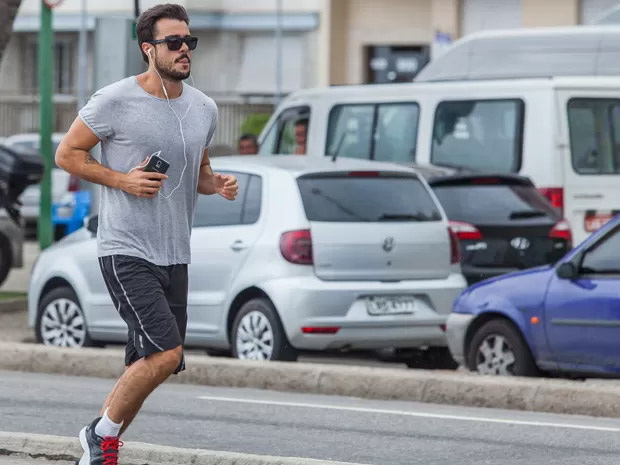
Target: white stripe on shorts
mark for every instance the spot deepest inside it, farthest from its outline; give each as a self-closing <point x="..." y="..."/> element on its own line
<point x="132" y="307"/>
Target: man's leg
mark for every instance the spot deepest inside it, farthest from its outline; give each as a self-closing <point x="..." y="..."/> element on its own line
<point x="137" y="290"/>
<point x="138" y="381"/>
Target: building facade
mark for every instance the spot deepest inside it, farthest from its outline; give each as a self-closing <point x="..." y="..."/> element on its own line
<point x="323" y="42"/>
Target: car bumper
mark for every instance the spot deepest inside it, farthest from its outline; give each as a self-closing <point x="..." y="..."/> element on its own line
<point x="311" y="302"/>
<point x="456" y="329"/>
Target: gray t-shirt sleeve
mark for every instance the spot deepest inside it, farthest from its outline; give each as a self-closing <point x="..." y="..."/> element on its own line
<point x="98" y="116"/>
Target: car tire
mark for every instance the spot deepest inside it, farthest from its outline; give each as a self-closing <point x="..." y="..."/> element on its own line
<point x="434" y="358"/>
<point x="258" y="325"/>
<point x="490" y="349"/>
<point x="62" y="328"/>
<point x="6" y="258"/>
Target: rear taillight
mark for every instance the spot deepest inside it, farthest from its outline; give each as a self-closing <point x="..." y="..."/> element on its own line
<point x="455" y="247"/>
<point x="74" y="184"/>
<point x="465" y="231"/>
<point x="562" y="231"/>
<point x="320" y="329"/>
<point x="555" y="195"/>
<point x="296" y="247"/>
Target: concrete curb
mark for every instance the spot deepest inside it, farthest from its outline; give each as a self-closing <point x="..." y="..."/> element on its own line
<point x="19" y="304"/>
<point x="541" y="395"/>
<point x="137" y="453"/>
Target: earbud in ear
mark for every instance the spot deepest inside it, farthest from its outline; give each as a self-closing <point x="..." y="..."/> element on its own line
<point x="148" y="52"/>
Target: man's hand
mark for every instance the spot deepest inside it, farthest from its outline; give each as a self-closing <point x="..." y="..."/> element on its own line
<point x="226" y="186"/>
<point x="142" y="183"/>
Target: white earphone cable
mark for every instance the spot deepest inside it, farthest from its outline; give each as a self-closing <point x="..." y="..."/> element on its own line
<point x="180" y="120"/>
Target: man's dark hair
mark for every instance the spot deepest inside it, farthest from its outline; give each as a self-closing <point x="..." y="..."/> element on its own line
<point x="251" y="137"/>
<point x="303" y="121"/>
<point x="145" y="27"/>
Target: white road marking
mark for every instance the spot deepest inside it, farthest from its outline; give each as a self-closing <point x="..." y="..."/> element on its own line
<point x="439" y="416"/>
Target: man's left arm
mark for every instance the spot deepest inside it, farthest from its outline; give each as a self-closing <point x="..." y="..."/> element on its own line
<point x="210" y="183"/>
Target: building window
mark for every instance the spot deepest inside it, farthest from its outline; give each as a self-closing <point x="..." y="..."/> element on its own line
<point x="386" y="64"/>
<point x="63" y="67"/>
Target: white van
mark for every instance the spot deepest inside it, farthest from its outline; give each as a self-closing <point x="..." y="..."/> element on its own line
<point x="559" y="129"/>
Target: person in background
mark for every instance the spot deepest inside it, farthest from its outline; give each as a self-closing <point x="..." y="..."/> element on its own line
<point x="301" y="135"/>
<point x="248" y="145"/>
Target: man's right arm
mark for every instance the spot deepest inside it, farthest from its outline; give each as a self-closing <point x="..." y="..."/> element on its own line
<point x="73" y="155"/>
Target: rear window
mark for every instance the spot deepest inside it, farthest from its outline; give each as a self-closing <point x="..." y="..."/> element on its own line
<point x="493" y="203"/>
<point x="482" y="135"/>
<point x="385" y="197"/>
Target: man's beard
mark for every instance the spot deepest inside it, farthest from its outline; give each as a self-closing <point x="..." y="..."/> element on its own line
<point x="170" y="74"/>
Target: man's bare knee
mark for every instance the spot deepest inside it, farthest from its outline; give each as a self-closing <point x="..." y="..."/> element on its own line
<point x="172" y="358"/>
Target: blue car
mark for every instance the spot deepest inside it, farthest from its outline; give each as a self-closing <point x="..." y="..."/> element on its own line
<point x="559" y="318"/>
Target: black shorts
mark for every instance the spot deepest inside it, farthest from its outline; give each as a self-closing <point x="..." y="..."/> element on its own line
<point x="152" y="300"/>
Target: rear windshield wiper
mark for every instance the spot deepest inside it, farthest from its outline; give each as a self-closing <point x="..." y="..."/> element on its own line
<point x="527" y="214"/>
<point x="401" y="217"/>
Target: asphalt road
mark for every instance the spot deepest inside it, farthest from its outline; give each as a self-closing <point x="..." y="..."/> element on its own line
<point x="322" y="427"/>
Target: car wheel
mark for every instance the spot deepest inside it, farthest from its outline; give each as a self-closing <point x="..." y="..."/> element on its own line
<point x="257" y="333"/>
<point x="434" y="358"/>
<point x="61" y="321"/>
<point x="498" y="348"/>
<point x="6" y="258"/>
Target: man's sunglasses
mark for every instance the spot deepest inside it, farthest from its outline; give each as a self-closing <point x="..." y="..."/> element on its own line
<point x="175" y="43"/>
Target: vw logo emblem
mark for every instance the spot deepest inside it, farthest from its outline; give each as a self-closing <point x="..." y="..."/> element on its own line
<point x="520" y="243"/>
<point x="388" y="244"/>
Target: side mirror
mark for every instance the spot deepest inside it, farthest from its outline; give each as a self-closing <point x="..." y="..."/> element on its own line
<point x="92" y="224"/>
<point x="567" y="270"/>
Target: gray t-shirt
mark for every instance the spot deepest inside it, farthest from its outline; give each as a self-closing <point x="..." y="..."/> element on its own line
<point x="133" y="124"/>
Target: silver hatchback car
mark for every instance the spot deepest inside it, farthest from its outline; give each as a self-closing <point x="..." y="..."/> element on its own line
<point x="313" y="255"/>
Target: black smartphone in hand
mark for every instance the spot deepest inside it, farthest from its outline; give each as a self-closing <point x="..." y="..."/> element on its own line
<point x="156" y="164"/>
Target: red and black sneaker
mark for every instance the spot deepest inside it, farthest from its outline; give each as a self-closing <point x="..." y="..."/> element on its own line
<point x="98" y="450"/>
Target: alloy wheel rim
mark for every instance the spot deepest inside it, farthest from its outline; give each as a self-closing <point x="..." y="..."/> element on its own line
<point x="254" y="337"/>
<point x="63" y="324"/>
<point x="495" y="356"/>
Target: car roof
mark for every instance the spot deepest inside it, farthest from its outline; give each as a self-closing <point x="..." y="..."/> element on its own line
<point x="298" y="165"/>
<point x="32" y="136"/>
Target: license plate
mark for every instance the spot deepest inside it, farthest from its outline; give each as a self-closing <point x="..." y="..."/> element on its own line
<point x="390" y="305"/>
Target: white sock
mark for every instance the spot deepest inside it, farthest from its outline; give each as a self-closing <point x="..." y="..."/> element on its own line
<point x="106" y="427"/>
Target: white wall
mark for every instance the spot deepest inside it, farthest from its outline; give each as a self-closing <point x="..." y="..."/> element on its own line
<point x="10" y="68"/>
<point x="592" y="10"/>
<point x="481" y="15"/>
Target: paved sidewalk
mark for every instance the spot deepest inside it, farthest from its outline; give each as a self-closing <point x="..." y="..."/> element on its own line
<point x="17" y="460"/>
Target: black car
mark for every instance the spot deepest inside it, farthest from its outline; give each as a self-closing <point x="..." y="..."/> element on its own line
<point x="502" y="221"/>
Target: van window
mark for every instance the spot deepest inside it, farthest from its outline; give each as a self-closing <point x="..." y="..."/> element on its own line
<point x="358" y="198"/>
<point x="482" y="135"/>
<point x="285" y="136"/>
<point x="594" y="127"/>
<point x="385" y="132"/>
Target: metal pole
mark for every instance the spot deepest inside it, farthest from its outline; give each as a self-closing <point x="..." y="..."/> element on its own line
<point x="46" y="51"/>
<point x="278" y="52"/>
<point x="83" y="58"/>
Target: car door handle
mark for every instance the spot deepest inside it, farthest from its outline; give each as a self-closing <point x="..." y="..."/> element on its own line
<point x="238" y="246"/>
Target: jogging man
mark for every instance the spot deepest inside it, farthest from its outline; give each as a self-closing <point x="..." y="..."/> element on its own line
<point x="145" y="218"/>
